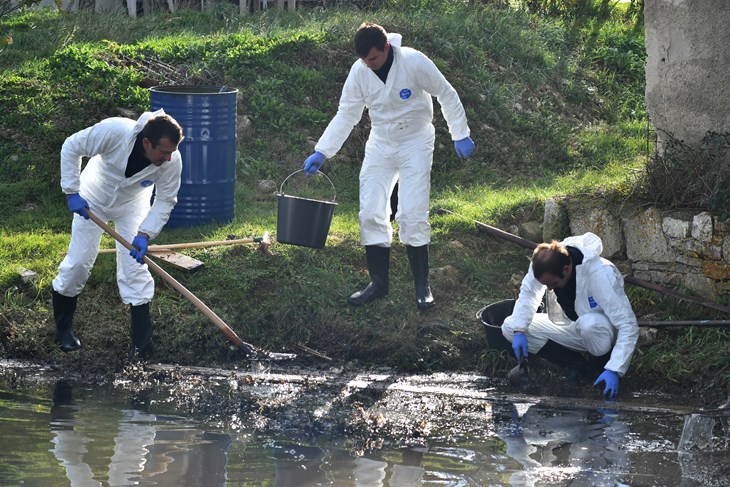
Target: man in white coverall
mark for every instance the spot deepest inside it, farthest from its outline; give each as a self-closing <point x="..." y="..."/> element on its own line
<point x="396" y="84"/>
<point x="127" y="159"/>
<point x="595" y="315"/>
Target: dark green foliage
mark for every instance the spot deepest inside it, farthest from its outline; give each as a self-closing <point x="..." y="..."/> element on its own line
<point x="623" y="54"/>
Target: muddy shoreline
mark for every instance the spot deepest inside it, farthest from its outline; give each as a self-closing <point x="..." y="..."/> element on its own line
<point x="370" y="407"/>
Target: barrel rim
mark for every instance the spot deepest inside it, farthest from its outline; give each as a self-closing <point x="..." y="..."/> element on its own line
<point x="193" y="89"/>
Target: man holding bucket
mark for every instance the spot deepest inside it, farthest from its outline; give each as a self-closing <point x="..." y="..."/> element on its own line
<point x="396" y="84"/>
<point x="127" y="159"/>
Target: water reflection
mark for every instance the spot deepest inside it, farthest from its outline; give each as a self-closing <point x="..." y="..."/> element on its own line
<point x="146" y="447"/>
<point x="89" y="436"/>
<point x="585" y="447"/>
<point x="307" y="466"/>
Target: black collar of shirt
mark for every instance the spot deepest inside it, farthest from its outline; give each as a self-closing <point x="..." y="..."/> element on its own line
<point x="137" y="161"/>
<point x="382" y="73"/>
<point x="566" y="295"/>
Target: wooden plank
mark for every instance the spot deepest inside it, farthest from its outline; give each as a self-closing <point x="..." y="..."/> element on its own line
<point x="178" y="260"/>
<point x="265" y="240"/>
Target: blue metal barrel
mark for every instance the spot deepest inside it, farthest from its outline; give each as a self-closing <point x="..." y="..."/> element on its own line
<point x="207" y="115"/>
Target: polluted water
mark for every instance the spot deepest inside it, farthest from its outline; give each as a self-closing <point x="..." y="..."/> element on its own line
<point x="266" y="425"/>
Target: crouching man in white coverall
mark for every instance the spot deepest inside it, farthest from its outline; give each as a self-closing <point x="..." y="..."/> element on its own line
<point x="595" y="315"/>
<point x="127" y="159"/>
<point x="396" y="84"/>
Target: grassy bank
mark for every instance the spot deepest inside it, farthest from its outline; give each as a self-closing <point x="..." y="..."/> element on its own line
<point x="555" y="108"/>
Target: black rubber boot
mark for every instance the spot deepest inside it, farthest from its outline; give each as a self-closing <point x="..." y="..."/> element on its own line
<point x="378" y="263"/>
<point x="418" y="257"/>
<point x="63" y="313"/>
<point x="576" y="363"/>
<point x="141" y="332"/>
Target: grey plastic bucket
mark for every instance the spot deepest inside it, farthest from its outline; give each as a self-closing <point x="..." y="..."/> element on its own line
<point x="207" y="115"/>
<point x="304" y="221"/>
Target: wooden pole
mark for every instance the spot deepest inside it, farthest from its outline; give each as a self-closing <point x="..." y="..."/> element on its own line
<point x="246" y="348"/>
<point x="191" y="245"/>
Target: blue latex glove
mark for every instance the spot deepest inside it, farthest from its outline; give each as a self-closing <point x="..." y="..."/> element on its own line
<point x="313" y="163"/>
<point x="140" y="243"/>
<point x="611" y="379"/>
<point x="78" y="205"/>
<point x="464" y="147"/>
<point x="519" y="345"/>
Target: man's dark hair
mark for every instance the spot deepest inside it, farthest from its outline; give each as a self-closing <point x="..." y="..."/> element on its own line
<point x="162" y="126"/>
<point x="369" y="35"/>
<point x="551" y="258"/>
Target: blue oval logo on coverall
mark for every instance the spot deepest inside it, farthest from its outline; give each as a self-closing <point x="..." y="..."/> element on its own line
<point x="146" y="183"/>
<point x="592" y="302"/>
<point x="405" y="94"/>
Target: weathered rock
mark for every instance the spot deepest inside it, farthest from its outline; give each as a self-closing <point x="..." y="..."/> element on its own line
<point x="243" y="125"/>
<point x="645" y="240"/>
<point x="531" y="230"/>
<point x="721" y="226"/>
<point x="701" y="285"/>
<point x="601" y="222"/>
<point x="27" y="275"/>
<point x="647" y="336"/>
<point x="555" y="224"/>
<point x="702" y="227"/>
<point x="675" y="228"/>
<point x="719" y="271"/>
<point x="447" y="271"/>
<point x="456" y="245"/>
<point x="698" y="249"/>
<point x="267" y="185"/>
<point x="516" y="279"/>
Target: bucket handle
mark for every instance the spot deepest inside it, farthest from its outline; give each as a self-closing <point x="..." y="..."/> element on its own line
<point x="319" y="173"/>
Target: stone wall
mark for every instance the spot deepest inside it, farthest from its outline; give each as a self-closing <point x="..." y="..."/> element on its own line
<point x="684" y="249"/>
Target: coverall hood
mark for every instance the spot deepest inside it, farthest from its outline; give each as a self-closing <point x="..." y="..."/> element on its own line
<point x="589" y="244"/>
<point x="395" y="39"/>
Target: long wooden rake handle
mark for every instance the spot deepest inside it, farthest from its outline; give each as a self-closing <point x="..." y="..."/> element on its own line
<point x="195" y="245"/>
<point x="248" y="349"/>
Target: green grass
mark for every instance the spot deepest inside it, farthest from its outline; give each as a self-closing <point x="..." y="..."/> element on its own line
<point x="555" y="106"/>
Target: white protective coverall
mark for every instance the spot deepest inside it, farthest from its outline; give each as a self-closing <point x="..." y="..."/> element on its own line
<point x="113" y="196"/>
<point x="604" y="312"/>
<point x="401" y="141"/>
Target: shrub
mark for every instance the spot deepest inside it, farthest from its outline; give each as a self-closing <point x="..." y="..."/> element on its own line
<point x="683" y="176"/>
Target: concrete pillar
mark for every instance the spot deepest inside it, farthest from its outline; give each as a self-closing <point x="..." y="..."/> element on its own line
<point x="688" y="67"/>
